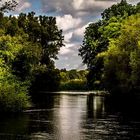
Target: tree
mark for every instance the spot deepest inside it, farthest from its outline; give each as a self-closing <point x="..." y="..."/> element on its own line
<point x="27" y="61"/>
<point x="121" y="60"/>
<point x="97" y="36"/>
<point x="13" y="92"/>
<point x="121" y="9"/>
<point x="41" y="39"/>
<point x="44" y="31"/>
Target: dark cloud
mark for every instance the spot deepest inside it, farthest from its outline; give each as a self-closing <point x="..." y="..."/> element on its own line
<point x="74" y="7"/>
<point x="56" y="6"/>
<point x="77" y="7"/>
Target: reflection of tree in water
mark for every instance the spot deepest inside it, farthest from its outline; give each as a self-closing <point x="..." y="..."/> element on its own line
<point x="13" y="127"/>
<point x="43" y="100"/>
<point x="36" y="123"/>
<point x="43" y="118"/>
<point x="95" y="106"/>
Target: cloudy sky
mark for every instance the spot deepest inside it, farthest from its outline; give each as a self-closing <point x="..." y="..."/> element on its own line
<point x="72" y="16"/>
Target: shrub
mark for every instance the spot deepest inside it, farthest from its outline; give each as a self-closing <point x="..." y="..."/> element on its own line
<point x="75" y="84"/>
<point x="13" y="96"/>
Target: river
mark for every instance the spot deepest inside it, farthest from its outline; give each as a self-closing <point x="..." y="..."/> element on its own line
<point x="70" y="116"/>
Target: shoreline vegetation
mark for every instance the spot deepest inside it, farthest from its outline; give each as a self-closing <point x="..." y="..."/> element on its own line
<point x="111" y="49"/>
<point x="78" y="92"/>
<point x="30" y="43"/>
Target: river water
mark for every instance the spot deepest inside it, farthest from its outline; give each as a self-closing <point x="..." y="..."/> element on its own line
<point x="73" y="117"/>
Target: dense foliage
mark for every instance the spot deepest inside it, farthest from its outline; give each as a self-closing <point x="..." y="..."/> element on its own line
<point x="29" y="44"/>
<point x="122" y="59"/>
<point x="110" y="48"/>
<point x="13" y="92"/>
<point x="73" y="79"/>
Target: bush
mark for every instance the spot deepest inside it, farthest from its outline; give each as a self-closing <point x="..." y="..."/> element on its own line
<point x="13" y="97"/>
<point x="75" y="84"/>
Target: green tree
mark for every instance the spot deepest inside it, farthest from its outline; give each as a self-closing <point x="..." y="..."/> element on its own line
<point x="41" y="40"/>
<point x="121" y="9"/>
<point x="13" y="93"/>
<point x="27" y="61"/>
<point x="43" y="30"/>
<point x="121" y="60"/>
<point x="44" y="33"/>
<point x="97" y="36"/>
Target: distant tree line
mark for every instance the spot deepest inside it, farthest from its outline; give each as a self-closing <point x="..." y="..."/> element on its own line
<point x="73" y="79"/>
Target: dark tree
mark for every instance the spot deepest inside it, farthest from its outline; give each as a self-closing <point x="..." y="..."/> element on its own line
<point x="121" y="9"/>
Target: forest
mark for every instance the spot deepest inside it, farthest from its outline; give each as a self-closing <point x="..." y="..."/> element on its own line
<point x="29" y="45"/>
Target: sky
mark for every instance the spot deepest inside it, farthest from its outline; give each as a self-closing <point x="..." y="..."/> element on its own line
<point x="72" y="16"/>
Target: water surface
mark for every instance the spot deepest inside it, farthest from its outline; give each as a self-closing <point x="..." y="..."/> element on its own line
<point x="72" y="117"/>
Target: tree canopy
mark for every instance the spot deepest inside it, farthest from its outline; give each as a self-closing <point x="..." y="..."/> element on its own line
<point x="29" y="44"/>
<point x="98" y="35"/>
<point x="122" y="59"/>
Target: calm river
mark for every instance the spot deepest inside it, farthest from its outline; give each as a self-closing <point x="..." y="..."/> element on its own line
<point x="73" y="117"/>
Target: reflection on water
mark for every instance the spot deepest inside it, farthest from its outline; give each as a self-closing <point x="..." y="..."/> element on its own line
<point x="95" y="106"/>
<point x="70" y="117"/>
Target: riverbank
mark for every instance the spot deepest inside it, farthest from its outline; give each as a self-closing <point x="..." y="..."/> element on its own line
<point x="76" y="92"/>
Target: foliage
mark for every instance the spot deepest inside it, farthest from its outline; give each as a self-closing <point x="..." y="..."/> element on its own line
<point x="13" y="96"/>
<point x="122" y="59"/>
<point x="73" y="74"/>
<point x="73" y="79"/>
<point x="40" y="39"/>
<point x="13" y="93"/>
<point x="97" y="38"/>
<point x="121" y="9"/>
<point x="75" y="84"/>
<point x="27" y="61"/>
<point x="44" y="31"/>
<point x="28" y="46"/>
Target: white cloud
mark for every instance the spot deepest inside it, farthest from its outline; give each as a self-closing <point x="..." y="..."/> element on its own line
<point x="64" y="50"/>
<point x="77" y="4"/>
<point x="78" y="34"/>
<point x="69" y="59"/>
<point x="67" y="37"/>
<point x="67" y="49"/>
<point x="22" y="5"/>
<point x="67" y="22"/>
<point x="80" y="31"/>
